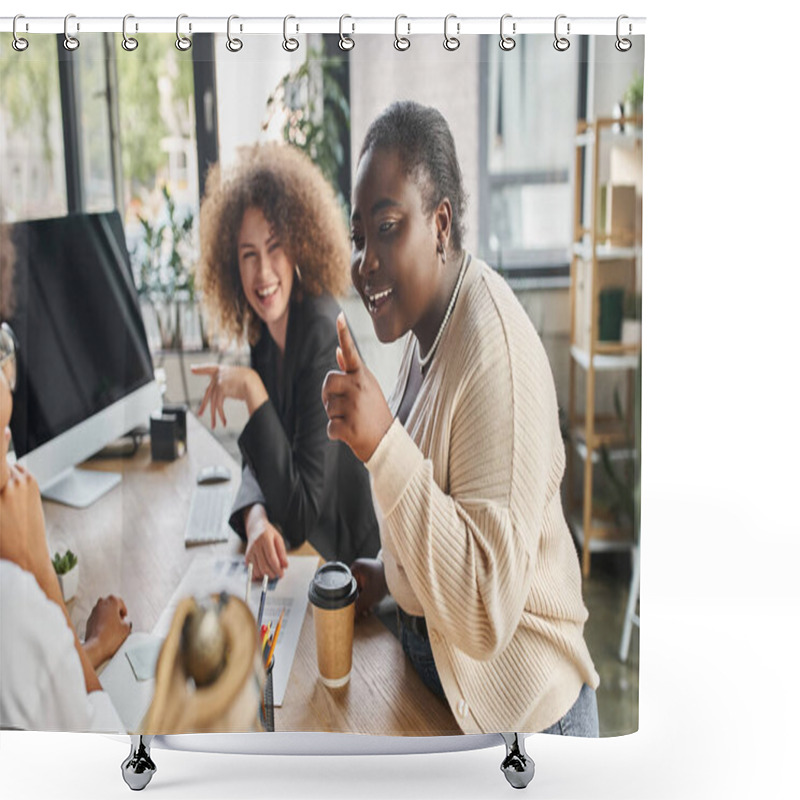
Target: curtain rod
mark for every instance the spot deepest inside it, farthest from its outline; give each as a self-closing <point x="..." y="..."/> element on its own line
<point x="349" y="25"/>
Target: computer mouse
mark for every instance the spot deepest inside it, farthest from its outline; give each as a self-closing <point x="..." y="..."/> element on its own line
<point x="213" y="474"/>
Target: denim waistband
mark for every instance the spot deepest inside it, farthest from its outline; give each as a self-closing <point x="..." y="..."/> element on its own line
<point x="414" y="624"/>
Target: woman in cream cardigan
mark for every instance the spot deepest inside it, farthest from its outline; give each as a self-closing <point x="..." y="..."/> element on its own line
<point x="466" y="458"/>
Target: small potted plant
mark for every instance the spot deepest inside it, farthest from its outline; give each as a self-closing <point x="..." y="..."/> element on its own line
<point x="632" y="319"/>
<point x="66" y="568"/>
<point x="165" y="278"/>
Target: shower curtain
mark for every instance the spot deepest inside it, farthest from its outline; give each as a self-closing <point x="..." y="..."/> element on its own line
<point x="494" y="619"/>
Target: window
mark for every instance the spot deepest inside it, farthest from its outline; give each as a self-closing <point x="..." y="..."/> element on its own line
<point x="32" y="173"/>
<point x="92" y="100"/>
<point x="529" y="99"/>
<point x="157" y="129"/>
<point x="158" y="146"/>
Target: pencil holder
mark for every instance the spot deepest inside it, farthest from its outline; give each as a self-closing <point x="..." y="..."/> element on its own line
<point x="268" y="701"/>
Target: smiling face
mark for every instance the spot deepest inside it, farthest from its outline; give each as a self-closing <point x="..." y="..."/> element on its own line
<point x="395" y="266"/>
<point x="266" y="273"/>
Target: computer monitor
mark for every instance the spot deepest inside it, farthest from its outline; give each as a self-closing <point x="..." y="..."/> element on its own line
<point x="85" y="374"/>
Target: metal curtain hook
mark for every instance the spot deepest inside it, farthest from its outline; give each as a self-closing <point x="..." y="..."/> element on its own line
<point x="507" y="42"/>
<point x="128" y="42"/>
<point x="623" y="45"/>
<point x="19" y="44"/>
<point x="233" y="45"/>
<point x="346" y="41"/>
<point x="451" y="42"/>
<point x="289" y="44"/>
<point x="70" y="42"/>
<point x="182" y="42"/>
<point x="561" y="43"/>
<point x="401" y="42"/>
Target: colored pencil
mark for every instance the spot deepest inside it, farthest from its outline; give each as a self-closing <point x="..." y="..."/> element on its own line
<point x="274" y="640"/>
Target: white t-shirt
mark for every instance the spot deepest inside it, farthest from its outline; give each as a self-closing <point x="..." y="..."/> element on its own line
<point x="41" y="679"/>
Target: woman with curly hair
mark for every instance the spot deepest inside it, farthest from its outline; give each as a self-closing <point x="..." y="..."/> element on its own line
<point x="274" y="251"/>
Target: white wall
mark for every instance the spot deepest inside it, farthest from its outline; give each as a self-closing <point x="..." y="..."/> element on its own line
<point x="245" y="80"/>
<point x="379" y="75"/>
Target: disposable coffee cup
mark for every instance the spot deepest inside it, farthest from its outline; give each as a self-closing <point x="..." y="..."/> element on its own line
<point x="332" y="594"/>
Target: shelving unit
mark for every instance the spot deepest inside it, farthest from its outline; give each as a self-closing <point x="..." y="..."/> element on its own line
<point x="602" y="256"/>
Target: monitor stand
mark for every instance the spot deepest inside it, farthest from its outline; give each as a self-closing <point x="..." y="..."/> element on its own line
<point x="80" y="487"/>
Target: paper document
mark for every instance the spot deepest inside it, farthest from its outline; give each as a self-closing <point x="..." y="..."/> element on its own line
<point x="211" y="575"/>
<point x="131" y="695"/>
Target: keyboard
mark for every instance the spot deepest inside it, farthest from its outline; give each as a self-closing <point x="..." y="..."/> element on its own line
<point x="208" y="514"/>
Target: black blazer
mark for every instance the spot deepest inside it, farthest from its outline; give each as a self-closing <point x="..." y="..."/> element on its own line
<point x="312" y="488"/>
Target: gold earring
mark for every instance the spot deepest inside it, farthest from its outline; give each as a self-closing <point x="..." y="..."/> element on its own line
<point x="297" y="272"/>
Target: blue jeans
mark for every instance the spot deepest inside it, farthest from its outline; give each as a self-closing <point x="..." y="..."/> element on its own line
<point x="581" y="719"/>
<point x="418" y="650"/>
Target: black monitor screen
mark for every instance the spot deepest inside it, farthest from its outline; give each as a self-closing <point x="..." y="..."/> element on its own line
<point x="82" y="343"/>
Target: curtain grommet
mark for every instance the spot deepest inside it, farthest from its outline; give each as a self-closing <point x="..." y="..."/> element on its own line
<point x="233" y="44"/>
<point x="182" y="43"/>
<point x="71" y="43"/>
<point x="561" y="43"/>
<point x="451" y="43"/>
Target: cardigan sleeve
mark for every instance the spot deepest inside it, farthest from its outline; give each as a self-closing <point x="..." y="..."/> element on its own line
<point x="468" y="546"/>
<point x="289" y="469"/>
<point x="249" y="494"/>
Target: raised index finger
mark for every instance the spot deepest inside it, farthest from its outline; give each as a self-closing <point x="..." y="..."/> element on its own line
<point x="351" y="360"/>
<point x="204" y="369"/>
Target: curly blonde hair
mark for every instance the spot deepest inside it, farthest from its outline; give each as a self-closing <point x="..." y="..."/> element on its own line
<point x="299" y="204"/>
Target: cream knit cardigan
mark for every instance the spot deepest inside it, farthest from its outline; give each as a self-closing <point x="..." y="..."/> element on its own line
<point x="472" y="528"/>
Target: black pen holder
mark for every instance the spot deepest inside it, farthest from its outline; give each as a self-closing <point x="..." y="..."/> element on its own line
<point x="179" y="411"/>
<point x="168" y="433"/>
<point x="268" y="702"/>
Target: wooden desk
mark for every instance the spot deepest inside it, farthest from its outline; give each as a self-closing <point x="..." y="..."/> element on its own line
<point x="130" y="543"/>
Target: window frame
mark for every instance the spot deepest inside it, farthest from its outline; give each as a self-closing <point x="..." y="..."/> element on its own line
<point x="523" y="265"/>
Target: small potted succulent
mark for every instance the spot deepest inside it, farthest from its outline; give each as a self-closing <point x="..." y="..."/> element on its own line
<point x="66" y="568"/>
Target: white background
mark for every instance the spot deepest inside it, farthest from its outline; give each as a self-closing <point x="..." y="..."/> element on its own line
<point x="719" y="700"/>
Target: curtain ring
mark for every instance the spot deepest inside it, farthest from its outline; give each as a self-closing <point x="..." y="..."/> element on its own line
<point x="623" y="45"/>
<point x="507" y="42"/>
<point x="183" y="43"/>
<point x="346" y="41"/>
<point x="401" y="43"/>
<point x="451" y="43"/>
<point x="128" y="42"/>
<point x="289" y="44"/>
<point x="561" y="43"/>
<point x="70" y="42"/>
<point x="19" y="44"/>
<point x="233" y="45"/>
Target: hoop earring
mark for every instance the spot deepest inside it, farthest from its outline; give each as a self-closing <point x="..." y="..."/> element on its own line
<point x="297" y="272"/>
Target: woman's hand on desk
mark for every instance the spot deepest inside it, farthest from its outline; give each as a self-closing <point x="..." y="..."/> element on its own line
<point x="266" y="550"/>
<point x="238" y="383"/>
<point x="106" y="629"/>
<point x="371" y="580"/>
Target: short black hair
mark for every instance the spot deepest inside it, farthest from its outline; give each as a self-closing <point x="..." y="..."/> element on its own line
<point x="422" y="138"/>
